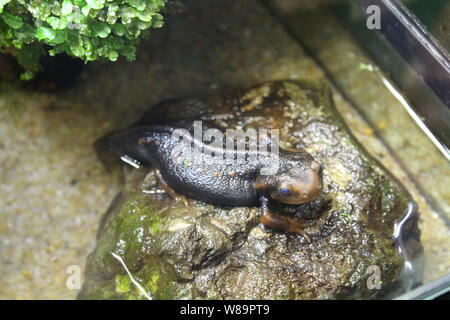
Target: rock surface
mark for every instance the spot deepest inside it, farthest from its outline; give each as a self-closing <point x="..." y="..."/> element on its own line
<point x="152" y="246"/>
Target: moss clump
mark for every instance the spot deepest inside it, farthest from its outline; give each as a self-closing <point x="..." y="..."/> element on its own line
<point x="85" y="29"/>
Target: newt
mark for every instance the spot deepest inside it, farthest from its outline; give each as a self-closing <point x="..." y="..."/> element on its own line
<point x="297" y="180"/>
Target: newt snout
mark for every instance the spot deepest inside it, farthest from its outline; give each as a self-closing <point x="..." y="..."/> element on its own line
<point x="299" y="185"/>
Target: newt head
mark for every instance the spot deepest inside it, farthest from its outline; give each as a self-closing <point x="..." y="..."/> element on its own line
<point x="295" y="184"/>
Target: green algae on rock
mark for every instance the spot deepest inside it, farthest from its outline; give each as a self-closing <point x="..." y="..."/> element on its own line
<point x="170" y="251"/>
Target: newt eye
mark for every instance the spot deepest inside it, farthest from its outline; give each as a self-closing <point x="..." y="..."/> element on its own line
<point x="285" y="192"/>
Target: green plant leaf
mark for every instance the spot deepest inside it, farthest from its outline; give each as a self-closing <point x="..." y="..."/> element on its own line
<point x="25" y="34"/>
<point x="101" y="29"/>
<point x="56" y="23"/>
<point x="138" y="4"/>
<point x="66" y="7"/>
<point x="95" y="4"/>
<point x="2" y="4"/>
<point x="28" y="57"/>
<point x="44" y="33"/>
<point x="113" y="55"/>
<point x="13" y="21"/>
<point x="157" y="21"/>
<point x="60" y="37"/>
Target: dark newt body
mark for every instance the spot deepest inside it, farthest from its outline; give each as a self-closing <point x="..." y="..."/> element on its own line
<point x="220" y="175"/>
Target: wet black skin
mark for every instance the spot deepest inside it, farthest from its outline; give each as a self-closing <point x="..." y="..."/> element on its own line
<point x="240" y="182"/>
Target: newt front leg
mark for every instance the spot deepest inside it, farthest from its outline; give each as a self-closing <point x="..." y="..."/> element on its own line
<point x="279" y="222"/>
<point x="172" y="193"/>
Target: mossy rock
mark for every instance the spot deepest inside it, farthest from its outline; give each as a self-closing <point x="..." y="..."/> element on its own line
<point x="364" y="224"/>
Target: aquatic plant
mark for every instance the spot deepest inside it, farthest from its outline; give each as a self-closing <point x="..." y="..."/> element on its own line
<point x="85" y="29"/>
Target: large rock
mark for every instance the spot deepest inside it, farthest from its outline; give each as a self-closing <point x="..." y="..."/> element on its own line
<point x="364" y="226"/>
